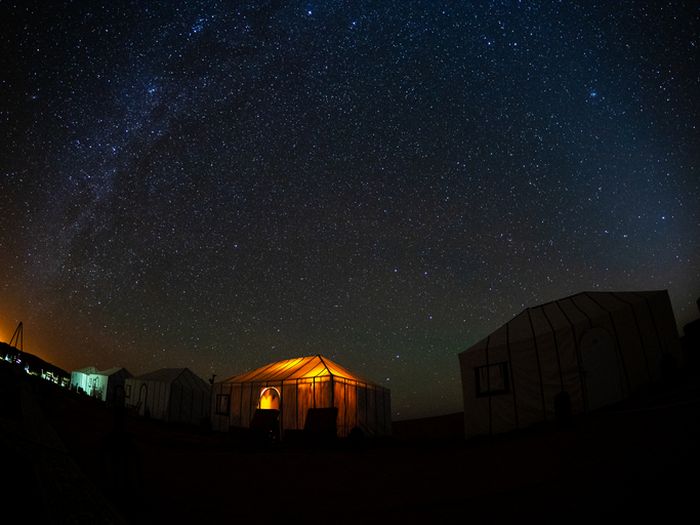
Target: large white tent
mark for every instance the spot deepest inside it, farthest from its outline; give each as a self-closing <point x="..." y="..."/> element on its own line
<point x="595" y="347"/>
<point x="170" y="394"/>
<point x="293" y="388"/>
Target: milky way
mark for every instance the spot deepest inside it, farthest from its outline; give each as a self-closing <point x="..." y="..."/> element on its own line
<point x="223" y="184"/>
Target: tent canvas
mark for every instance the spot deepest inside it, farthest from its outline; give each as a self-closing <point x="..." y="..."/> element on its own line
<point x="170" y="394"/>
<point x="106" y="385"/>
<point x="598" y="347"/>
<point x="294" y="386"/>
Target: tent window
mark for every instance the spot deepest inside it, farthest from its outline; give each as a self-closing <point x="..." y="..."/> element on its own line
<point x="127" y="390"/>
<point x="223" y="402"/>
<point x="492" y="379"/>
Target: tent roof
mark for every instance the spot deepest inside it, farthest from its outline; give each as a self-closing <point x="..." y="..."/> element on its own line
<point x="560" y="314"/>
<point x="91" y="370"/>
<point x="297" y="368"/>
<point x="108" y="372"/>
<point x="620" y="300"/>
<point x="114" y="370"/>
<point x="87" y="370"/>
<point x="182" y="376"/>
<point x="164" y="375"/>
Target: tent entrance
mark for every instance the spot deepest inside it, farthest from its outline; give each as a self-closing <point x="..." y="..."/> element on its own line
<point x="600" y="368"/>
<point x="269" y="399"/>
<point x="143" y="399"/>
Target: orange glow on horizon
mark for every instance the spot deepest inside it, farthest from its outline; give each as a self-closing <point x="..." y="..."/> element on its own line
<point x="6" y="330"/>
<point x="31" y="346"/>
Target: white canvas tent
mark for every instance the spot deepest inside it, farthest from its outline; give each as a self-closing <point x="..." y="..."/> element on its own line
<point x="293" y="387"/>
<point x="107" y="385"/>
<point x="598" y="347"/>
<point x="170" y="394"/>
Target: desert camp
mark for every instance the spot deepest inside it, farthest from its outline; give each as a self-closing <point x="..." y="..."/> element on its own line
<point x="333" y="262"/>
<point x="143" y="465"/>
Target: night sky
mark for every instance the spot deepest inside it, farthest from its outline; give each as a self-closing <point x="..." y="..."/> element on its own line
<point x="219" y="185"/>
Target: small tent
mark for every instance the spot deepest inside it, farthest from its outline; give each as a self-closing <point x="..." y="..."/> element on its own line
<point x="170" y="394"/>
<point x="294" y="387"/>
<point x="106" y="385"/>
<point x="586" y="351"/>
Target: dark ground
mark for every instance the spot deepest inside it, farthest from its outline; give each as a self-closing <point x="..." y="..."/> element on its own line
<point x="65" y="461"/>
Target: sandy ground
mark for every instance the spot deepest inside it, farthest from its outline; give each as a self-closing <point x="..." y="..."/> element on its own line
<point x="635" y="460"/>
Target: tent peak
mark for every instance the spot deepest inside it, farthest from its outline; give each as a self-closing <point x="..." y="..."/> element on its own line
<point x="588" y="293"/>
<point x="306" y="367"/>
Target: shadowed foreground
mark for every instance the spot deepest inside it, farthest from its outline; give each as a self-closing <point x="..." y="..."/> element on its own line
<point x="75" y="461"/>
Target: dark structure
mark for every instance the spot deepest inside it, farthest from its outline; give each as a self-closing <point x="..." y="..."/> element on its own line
<point x="568" y="356"/>
<point x="175" y="395"/>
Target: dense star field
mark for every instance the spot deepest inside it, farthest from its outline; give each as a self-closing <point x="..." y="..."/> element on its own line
<point x="219" y="185"/>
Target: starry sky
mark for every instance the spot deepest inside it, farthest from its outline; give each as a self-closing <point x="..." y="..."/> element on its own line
<point x="218" y="185"/>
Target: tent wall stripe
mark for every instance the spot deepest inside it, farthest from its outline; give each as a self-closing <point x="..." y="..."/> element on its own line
<point x="539" y="367"/>
<point x="488" y="382"/>
<point x="556" y="348"/>
<point x="577" y="349"/>
<point x="590" y="325"/>
<point x="512" y="377"/>
<point x="653" y="322"/>
<point x="639" y="333"/>
<point x="590" y="322"/>
<point x="617" y="343"/>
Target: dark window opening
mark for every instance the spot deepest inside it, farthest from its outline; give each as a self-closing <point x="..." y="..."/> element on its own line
<point x="492" y="380"/>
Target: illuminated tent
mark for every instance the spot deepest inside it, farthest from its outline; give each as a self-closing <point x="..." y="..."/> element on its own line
<point x="294" y="386"/>
<point x="170" y="394"/>
<point x="597" y="347"/>
<point x="106" y="385"/>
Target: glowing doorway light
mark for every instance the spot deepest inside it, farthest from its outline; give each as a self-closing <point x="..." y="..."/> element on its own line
<point x="269" y="399"/>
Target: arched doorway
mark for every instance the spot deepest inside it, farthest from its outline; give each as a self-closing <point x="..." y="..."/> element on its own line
<point x="117" y="395"/>
<point x="265" y="425"/>
<point x="601" y="370"/>
<point x="143" y="400"/>
<point x="269" y="399"/>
